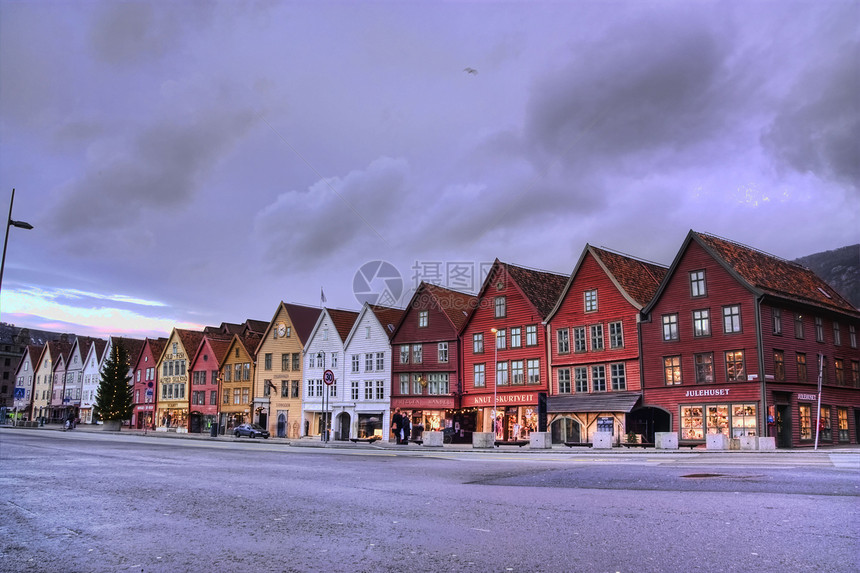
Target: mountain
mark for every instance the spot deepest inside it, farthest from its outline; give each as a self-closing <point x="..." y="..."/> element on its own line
<point x="840" y="268"/>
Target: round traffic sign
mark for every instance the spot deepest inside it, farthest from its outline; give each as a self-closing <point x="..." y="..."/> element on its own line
<point x="328" y="377"/>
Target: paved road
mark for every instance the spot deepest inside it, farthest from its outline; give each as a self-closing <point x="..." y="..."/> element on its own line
<point x="81" y="501"/>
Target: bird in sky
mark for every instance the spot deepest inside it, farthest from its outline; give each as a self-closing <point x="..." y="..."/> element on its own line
<point x="472" y="71"/>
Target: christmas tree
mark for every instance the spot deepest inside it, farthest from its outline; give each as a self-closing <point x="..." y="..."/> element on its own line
<point x="114" y="397"/>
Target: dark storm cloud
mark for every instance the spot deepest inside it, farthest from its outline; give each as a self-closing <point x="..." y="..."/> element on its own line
<point x="155" y="169"/>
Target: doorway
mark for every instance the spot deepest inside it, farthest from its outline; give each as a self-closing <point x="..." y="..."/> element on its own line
<point x="564" y="430"/>
<point x="343" y="423"/>
<point x="282" y="425"/>
<point x="783" y="426"/>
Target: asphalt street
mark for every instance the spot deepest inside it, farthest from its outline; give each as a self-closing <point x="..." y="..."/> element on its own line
<point x="85" y="501"/>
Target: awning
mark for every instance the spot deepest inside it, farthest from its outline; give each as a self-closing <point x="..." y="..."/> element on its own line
<point x="601" y="402"/>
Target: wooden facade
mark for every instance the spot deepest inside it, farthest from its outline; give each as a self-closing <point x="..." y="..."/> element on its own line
<point x="145" y="387"/>
<point x="173" y="388"/>
<point x="237" y="370"/>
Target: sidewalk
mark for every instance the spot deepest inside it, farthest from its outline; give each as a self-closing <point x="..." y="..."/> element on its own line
<point x="316" y="442"/>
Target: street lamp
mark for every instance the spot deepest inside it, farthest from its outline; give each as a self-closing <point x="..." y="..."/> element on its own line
<point x="10" y="223"/>
<point x="495" y="375"/>
<point x="325" y="422"/>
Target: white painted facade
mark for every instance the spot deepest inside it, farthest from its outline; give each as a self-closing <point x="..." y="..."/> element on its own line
<point x="92" y="378"/>
<point x="24" y="383"/>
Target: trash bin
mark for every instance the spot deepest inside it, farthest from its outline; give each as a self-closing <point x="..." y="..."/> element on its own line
<point x="213" y="430"/>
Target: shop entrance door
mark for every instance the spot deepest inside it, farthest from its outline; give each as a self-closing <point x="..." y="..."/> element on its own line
<point x="783" y="426"/>
<point x="282" y="425"/>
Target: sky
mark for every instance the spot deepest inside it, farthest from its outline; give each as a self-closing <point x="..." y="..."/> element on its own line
<point x="190" y="163"/>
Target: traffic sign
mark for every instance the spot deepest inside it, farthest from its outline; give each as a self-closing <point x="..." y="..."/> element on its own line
<point x="328" y="377"/>
<point x="20" y="393"/>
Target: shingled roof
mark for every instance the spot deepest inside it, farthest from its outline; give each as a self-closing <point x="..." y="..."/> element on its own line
<point x="388" y="317"/>
<point x="455" y="304"/>
<point x="342" y="320"/>
<point x="190" y="339"/>
<point x="774" y="276"/>
<point x="542" y="288"/>
<point x="639" y="279"/>
<point x="303" y="318"/>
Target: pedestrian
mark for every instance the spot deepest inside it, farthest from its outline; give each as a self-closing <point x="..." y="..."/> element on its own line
<point x="396" y="423"/>
<point x="407" y="428"/>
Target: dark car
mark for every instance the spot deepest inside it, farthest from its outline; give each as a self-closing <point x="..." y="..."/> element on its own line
<point x="250" y="430"/>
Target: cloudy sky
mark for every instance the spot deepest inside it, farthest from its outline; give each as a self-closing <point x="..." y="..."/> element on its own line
<point x="188" y="163"/>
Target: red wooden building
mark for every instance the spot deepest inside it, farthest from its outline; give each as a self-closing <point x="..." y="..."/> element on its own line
<point x="505" y="359"/>
<point x="145" y="388"/>
<point x="594" y="337"/>
<point x="734" y="342"/>
<point x="204" y="366"/>
<point x="425" y="373"/>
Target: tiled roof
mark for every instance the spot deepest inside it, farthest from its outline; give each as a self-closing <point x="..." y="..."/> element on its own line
<point x="190" y="339"/>
<point x="388" y="317"/>
<point x="156" y="346"/>
<point x="219" y="347"/>
<point x="59" y="348"/>
<point x="303" y="318"/>
<point x="35" y="354"/>
<point x="775" y="276"/>
<point x="250" y="340"/>
<point x="542" y="288"/>
<point x="258" y="326"/>
<point x="455" y="304"/>
<point x="640" y="279"/>
<point x="342" y="320"/>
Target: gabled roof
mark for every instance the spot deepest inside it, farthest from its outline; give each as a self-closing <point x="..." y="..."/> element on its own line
<point x="35" y="353"/>
<point x="219" y="342"/>
<point x="303" y="319"/>
<point x="388" y="317"/>
<point x="58" y="348"/>
<point x="83" y="343"/>
<point x="454" y="304"/>
<point x="258" y="326"/>
<point x="156" y="346"/>
<point x="190" y="339"/>
<point x="637" y="280"/>
<point x="765" y="274"/>
<point x="133" y="347"/>
<point x="541" y="288"/>
<point x="342" y="321"/>
<point x="250" y="341"/>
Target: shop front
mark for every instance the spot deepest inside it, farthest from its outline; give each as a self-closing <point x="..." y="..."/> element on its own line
<point x="143" y="417"/>
<point x="516" y="414"/>
<point x="728" y="411"/>
<point x="430" y="414"/>
<point x="172" y="419"/>
<point x="795" y="418"/>
<point x="576" y="417"/>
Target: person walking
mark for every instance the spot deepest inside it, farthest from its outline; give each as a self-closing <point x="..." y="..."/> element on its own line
<point x="396" y="424"/>
<point x="407" y="428"/>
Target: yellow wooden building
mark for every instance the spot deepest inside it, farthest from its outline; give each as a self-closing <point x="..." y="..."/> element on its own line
<point x="173" y="380"/>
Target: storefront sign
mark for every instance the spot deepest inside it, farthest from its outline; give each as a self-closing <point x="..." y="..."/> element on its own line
<point x="700" y="393"/>
<point x="488" y="400"/>
<point x="423" y="402"/>
<point x="807" y="397"/>
<point x="145" y="407"/>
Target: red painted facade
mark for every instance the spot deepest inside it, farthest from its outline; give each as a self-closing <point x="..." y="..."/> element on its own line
<point x="145" y="388"/>
<point x="203" y="392"/>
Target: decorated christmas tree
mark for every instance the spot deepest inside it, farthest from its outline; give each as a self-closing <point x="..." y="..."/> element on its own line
<point x="114" y="397"/>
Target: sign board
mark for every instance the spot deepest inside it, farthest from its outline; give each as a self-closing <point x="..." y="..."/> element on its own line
<point x="328" y="377"/>
<point x="20" y="393"/>
<point x="149" y="392"/>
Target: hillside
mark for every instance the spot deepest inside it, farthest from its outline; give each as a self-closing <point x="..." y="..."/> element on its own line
<point x="840" y="268"/>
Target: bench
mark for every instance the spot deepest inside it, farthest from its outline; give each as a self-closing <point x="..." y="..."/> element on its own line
<point x="578" y="444"/>
<point x="365" y="440"/>
<point x="519" y="443"/>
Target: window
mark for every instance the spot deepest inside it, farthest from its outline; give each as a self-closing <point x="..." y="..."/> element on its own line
<point x="289" y="331"/>
<point x="295" y="390"/>
<point x="285" y="361"/>
<point x="353" y="390"/>
<point x="480" y="376"/>
<point x="237" y="372"/>
<point x="267" y="387"/>
<point x="672" y="370"/>
<point x="404" y="354"/>
<point x="826" y="433"/>
<point x="842" y="424"/>
<point x="404" y="383"/>
<point x="246" y="395"/>
<point x="319" y="386"/>
<point x="380" y="390"/>
<point x="368" y="390"/>
<point x="798" y="326"/>
<point x="776" y="318"/>
<point x="837" y="334"/>
<point x="562" y="337"/>
<point x="579" y="339"/>
<point x="697" y="283"/>
<point x="422" y="318"/>
<point x="819" y="329"/>
<point x="597" y="337"/>
<point x="855" y="373"/>
<point x="840" y="371"/>
<point x="619" y="376"/>
<point x="533" y="369"/>
<point x="246" y="371"/>
<point x="417" y="355"/>
<point x="598" y="378"/>
<point x="320" y="360"/>
<point x="237" y="395"/>
<point x="779" y="365"/>
<point x="516" y="337"/>
<point x="417" y="386"/>
<point x="580" y="379"/>
<point x="368" y="362"/>
<point x="564" y="380"/>
<point x="732" y="318"/>
<point x="213" y="397"/>
<point x="356" y="363"/>
<point x="175" y="348"/>
<point x="438" y="384"/>
<point x="478" y="343"/>
<point x="285" y="390"/>
<point x="501" y="339"/>
<point x="616" y="335"/>
<point x="805" y="421"/>
<point x="501" y="373"/>
<point x="228" y="373"/>
<point x="500" y="307"/>
<point x="670" y="327"/>
<point x="296" y="361"/>
<point x="801" y="367"/>
<point x="334" y="359"/>
<point x="225" y="398"/>
<point x="380" y="361"/>
<point x="366" y="332"/>
<point x="590" y="297"/>
<point x="325" y="334"/>
<point x="735" y="366"/>
<point x="531" y="335"/>
<point x="702" y="322"/>
<point x="852" y="336"/>
<point x="443" y="352"/>
<point x="704" y="368"/>
<point x="517" y="372"/>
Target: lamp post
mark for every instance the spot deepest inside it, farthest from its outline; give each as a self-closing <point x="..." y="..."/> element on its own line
<point x="495" y="376"/>
<point x="324" y="434"/>
<point x="10" y="223"/>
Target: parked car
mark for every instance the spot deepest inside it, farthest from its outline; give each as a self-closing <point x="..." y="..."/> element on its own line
<point x="250" y="430"/>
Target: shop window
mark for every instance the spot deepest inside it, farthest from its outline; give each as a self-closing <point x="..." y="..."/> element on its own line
<point x="692" y="423"/>
<point x="672" y="370"/>
<point x="805" y="421"/>
<point x="825" y="432"/>
<point x="743" y="420"/>
<point x="718" y="419"/>
<point x="842" y="421"/>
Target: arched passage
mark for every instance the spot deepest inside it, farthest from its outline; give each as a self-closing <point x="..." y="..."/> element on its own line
<point x="647" y="421"/>
<point x="565" y="430"/>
